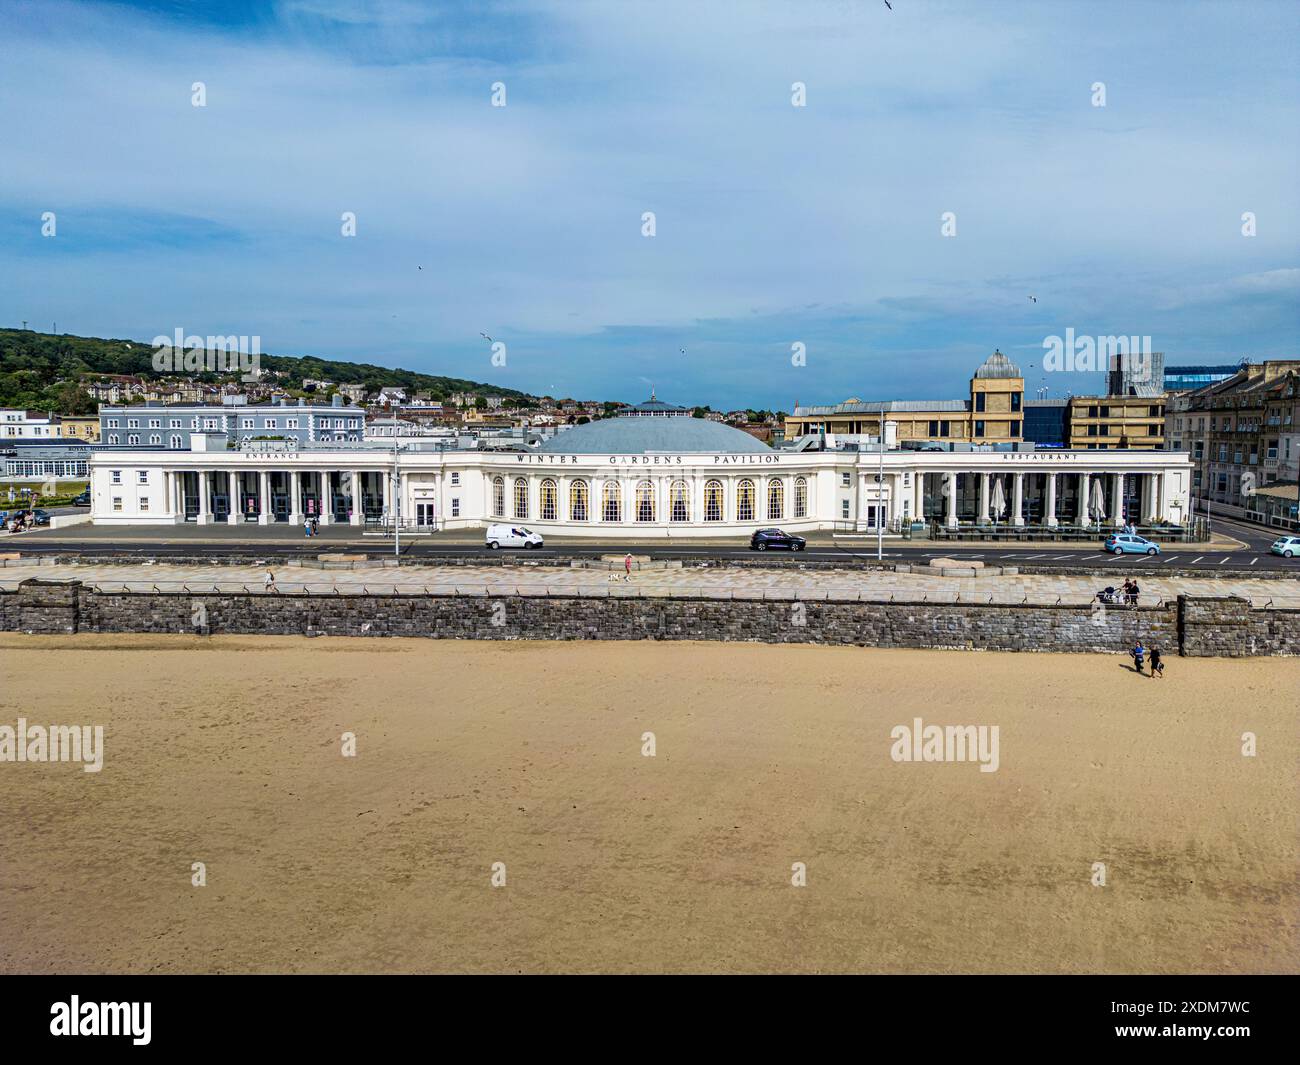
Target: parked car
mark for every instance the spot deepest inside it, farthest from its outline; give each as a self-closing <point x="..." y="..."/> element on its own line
<point x="1128" y="544"/>
<point x="1286" y="546"/>
<point x="765" y="538"/>
<point x="512" y="536"/>
<point x="82" y="500"/>
<point x="42" y="517"/>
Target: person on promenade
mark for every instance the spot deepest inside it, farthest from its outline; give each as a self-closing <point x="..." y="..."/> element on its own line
<point x="1133" y="592"/>
<point x="269" y="582"/>
<point x="627" y="567"/>
<point x="1157" y="664"/>
<point x="306" y="527"/>
<point x="1138" y="653"/>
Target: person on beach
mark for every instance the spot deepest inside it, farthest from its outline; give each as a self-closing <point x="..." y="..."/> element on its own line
<point x="1157" y="664"/>
<point x="1139" y="654"/>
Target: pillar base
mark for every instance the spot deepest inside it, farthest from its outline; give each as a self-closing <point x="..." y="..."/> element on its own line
<point x="232" y="519"/>
<point x="264" y="519"/>
<point x="1052" y="523"/>
<point x="1018" y="523"/>
<point x="204" y="519"/>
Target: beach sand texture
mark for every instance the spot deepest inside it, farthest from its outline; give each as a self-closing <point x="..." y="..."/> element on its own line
<point x="226" y="751"/>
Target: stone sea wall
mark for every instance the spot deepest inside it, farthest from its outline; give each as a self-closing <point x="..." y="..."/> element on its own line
<point x="1199" y="626"/>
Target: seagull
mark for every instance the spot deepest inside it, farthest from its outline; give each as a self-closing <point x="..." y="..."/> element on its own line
<point x="1034" y="298"/>
<point x="682" y="350"/>
<point x="889" y="5"/>
<point x="419" y="267"/>
<point x="486" y="337"/>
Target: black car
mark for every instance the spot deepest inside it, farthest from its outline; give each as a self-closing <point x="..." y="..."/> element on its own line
<point x="765" y="538"/>
<point x="82" y="500"/>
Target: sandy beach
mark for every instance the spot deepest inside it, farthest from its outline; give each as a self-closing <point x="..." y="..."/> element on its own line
<point x="227" y="751"/>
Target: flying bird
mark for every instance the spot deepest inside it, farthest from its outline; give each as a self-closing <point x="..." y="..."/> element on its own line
<point x="486" y="337"/>
<point x="1034" y="298"/>
<point x="889" y="5"/>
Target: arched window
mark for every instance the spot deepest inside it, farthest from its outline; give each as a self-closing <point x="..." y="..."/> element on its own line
<point x="713" y="501"/>
<point x="745" y="500"/>
<point x="578" y="501"/>
<point x="775" y="499"/>
<point x="521" y="498"/>
<point x="611" y="502"/>
<point x="645" y="501"/>
<point x="801" y="497"/>
<point x="498" y="497"/>
<point x="550" y="500"/>
<point x="679" y="501"/>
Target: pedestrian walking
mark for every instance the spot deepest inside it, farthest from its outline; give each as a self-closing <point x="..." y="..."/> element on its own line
<point x="1157" y="664"/>
<point x="315" y="526"/>
<point x="269" y="582"/>
<point x="306" y="527"/>
<point x="627" y="567"/>
<point x="1139" y="654"/>
<point x="1133" y="592"/>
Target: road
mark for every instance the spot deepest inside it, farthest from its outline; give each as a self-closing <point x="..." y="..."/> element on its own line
<point x="251" y="541"/>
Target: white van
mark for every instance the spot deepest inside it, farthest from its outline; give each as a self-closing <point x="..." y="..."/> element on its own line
<point x="512" y="536"/>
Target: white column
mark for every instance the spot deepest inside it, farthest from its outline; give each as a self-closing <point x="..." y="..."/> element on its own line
<point x="263" y="497"/>
<point x="233" y="515"/>
<point x="1050" y="506"/>
<point x="387" y="478"/>
<point x="327" y="505"/>
<point x="1117" y="500"/>
<point x="951" y="479"/>
<point x="1018" y="500"/>
<point x="1157" y="511"/>
<point x="918" y="495"/>
<point x="357" y="515"/>
<point x="1084" y="486"/>
<point x="295" y="498"/>
<point x="205" y="515"/>
<point x="984" y="498"/>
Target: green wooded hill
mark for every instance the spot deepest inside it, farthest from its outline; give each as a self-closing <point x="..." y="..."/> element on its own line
<point x="43" y="371"/>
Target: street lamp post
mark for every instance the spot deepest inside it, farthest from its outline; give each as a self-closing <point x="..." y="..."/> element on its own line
<point x="396" y="497"/>
<point x="880" y="494"/>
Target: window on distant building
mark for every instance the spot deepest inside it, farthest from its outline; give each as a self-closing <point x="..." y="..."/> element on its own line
<point x="745" y="500"/>
<point x="521" y="498"/>
<point x="801" y="497"/>
<point x="979" y="402"/>
<point x="117" y="476"/>
<point x="117" y="502"/>
<point x="1015" y="429"/>
<point x="713" y="501"/>
<point x="578" y="501"/>
<point x="846" y="480"/>
<point x="549" y="499"/>
<point x="611" y="502"/>
<point x="645" y="501"/>
<point x="133" y="439"/>
<point x="498" y="497"/>
<point x="844" y="508"/>
<point x="979" y="429"/>
<point x="679" y="501"/>
<point x="455" y="477"/>
<point x="1015" y="401"/>
<point x="455" y="506"/>
<point x="775" y="499"/>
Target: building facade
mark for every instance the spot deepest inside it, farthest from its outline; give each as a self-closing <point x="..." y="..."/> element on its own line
<point x="171" y="426"/>
<point x="1243" y="432"/>
<point x="992" y="412"/>
<point x="640" y="475"/>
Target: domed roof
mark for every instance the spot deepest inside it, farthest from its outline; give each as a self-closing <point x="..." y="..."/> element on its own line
<point x="633" y="435"/>
<point x="998" y="365"/>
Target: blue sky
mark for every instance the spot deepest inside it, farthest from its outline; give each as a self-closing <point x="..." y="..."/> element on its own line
<point x="775" y="225"/>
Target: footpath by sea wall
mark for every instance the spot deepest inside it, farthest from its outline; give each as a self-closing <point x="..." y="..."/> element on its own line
<point x="1189" y="625"/>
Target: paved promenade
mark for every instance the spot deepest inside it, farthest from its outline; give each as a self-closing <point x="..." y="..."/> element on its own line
<point x="714" y="582"/>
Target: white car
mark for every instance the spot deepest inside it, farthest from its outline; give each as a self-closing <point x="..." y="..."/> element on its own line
<point x="1286" y="546"/>
<point x="512" y="536"/>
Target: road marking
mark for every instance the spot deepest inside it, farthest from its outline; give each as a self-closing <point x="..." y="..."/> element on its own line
<point x="1223" y="560"/>
<point x="1172" y="557"/>
<point x="1254" y="560"/>
<point x="1197" y="559"/>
